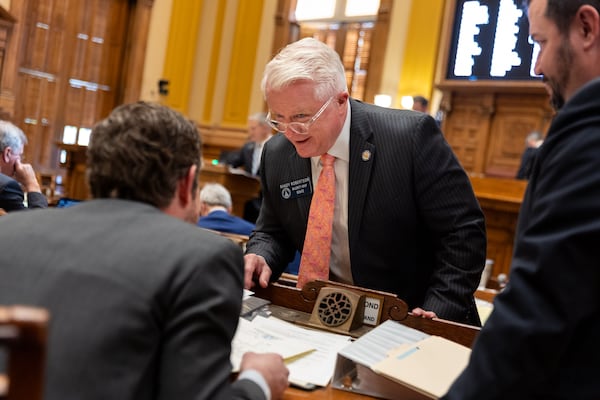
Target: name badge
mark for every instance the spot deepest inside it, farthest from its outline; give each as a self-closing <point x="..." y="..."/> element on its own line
<point x="298" y="188"/>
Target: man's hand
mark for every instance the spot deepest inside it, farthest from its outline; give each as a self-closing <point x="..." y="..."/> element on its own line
<point x="271" y="367"/>
<point x="25" y="175"/>
<point x="419" y="312"/>
<point x="256" y="266"/>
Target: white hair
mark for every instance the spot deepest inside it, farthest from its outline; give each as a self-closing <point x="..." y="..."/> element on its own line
<point x="215" y="194"/>
<point x="260" y="117"/>
<point x="306" y="60"/>
<point x="11" y="136"/>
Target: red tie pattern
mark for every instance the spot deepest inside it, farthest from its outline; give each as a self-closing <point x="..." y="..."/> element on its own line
<point x="314" y="263"/>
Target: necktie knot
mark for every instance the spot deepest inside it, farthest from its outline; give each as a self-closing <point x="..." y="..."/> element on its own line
<point x="327" y="160"/>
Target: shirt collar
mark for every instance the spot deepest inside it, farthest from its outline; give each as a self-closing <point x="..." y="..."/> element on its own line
<point x="341" y="147"/>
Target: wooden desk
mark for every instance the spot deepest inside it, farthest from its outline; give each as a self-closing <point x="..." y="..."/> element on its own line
<point x="500" y="199"/>
<point x="295" y="305"/>
<point x="241" y="187"/>
<point x="327" y="393"/>
<point x="75" y="164"/>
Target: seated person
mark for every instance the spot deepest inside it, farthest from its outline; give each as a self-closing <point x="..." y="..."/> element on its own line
<point x="249" y="155"/>
<point x="14" y="173"/>
<point x="143" y="304"/>
<point x="420" y="103"/>
<point x="259" y="132"/>
<point x="215" y="211"/>
<point x="533" y="141"/>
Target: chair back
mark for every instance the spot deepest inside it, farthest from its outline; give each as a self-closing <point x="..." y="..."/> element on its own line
<point x="23" y="335"/>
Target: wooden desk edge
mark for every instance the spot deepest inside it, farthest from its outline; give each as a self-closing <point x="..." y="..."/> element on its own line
<point x="290" y="297"/>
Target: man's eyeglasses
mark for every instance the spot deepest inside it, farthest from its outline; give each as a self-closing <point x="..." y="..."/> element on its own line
<point x="300" y="128"/>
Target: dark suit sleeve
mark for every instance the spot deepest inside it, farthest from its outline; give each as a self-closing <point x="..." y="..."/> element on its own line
<point x="546" y="320"/>
<point x="455" y="223"/>
<point x="527" y="160"/>
<point x="242" y="157"/>
<point x="12" y="197"/>
<point x="202" y="319"/>
<point x="235" y="159"/>
<point x="36" y="200"/>
<point x="270" y="238"/>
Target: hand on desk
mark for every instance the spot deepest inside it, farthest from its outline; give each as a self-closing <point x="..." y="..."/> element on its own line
<point x="419" y="312"/>
<point x="271" y="367"/>
<point x="255" y="265"/>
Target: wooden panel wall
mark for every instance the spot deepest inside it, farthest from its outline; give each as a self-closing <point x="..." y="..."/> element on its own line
<point x="73" y="61"/>
<point x="487" y="128"/>
<point x="7" y="76"/>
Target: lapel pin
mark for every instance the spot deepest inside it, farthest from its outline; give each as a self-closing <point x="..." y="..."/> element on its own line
<point x="366" y="155"/>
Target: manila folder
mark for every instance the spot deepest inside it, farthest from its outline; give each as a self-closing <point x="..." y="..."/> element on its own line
<point x="428" y="366"/>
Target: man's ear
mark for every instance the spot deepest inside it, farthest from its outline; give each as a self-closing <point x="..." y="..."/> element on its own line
<point x="186" y="187"/>
<point x="588" y="22"/>
<point x="6" y="154"/>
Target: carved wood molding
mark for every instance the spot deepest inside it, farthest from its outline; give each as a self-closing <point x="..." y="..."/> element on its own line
<point x="223" y="137"/>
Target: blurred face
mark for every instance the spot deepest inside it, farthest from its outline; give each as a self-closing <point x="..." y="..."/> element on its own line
<point x="555" y="60"/>
<point x="9" y="159"/>
<point x="418" y="106"/>
<point x="257" y="132"/>
<point x="297" y="103"/>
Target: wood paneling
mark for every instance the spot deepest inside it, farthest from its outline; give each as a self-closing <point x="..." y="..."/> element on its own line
<point x="242" y="188"/>
<point x="500" y="200"/>
<point x="75" y="61"/>
<point x="487" y="128"/>
<point x="7" y="74"/>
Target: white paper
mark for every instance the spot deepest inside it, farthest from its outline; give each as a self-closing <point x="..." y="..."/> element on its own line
<point x="251" y="337"/>
<point x="317" y="366"/>
<point x="375" y="345"/>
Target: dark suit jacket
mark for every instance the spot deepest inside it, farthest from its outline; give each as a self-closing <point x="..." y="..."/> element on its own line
<point x="541" y="340"/>
<point x="11" y="196"/>
<point x="222" y="221"/>
<point x="526" y="165"/>
<point x="415" y="226"/>
<point x="142" y="305"/>
<point x="242" y="157"/>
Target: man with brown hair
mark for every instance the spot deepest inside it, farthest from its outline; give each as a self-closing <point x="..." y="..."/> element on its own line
<point x="143" y="305"/>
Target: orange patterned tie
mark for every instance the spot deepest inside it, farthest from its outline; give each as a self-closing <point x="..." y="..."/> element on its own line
<point x="314" y="263"/>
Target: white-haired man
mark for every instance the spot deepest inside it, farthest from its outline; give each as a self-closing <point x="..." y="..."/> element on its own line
<point x="16" y="176"/>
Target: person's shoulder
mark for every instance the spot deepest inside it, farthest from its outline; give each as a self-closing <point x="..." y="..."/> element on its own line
<point x="383" y="117"/>
<point x="278" y="143"/>
<point x="244" y="223"/>
<point x="4" y="179"/>
<point x="7" y="181"/>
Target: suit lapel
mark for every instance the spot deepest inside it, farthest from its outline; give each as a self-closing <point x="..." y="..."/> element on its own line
<point x="362" y="157"/>
<point x="300" y="168"/>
